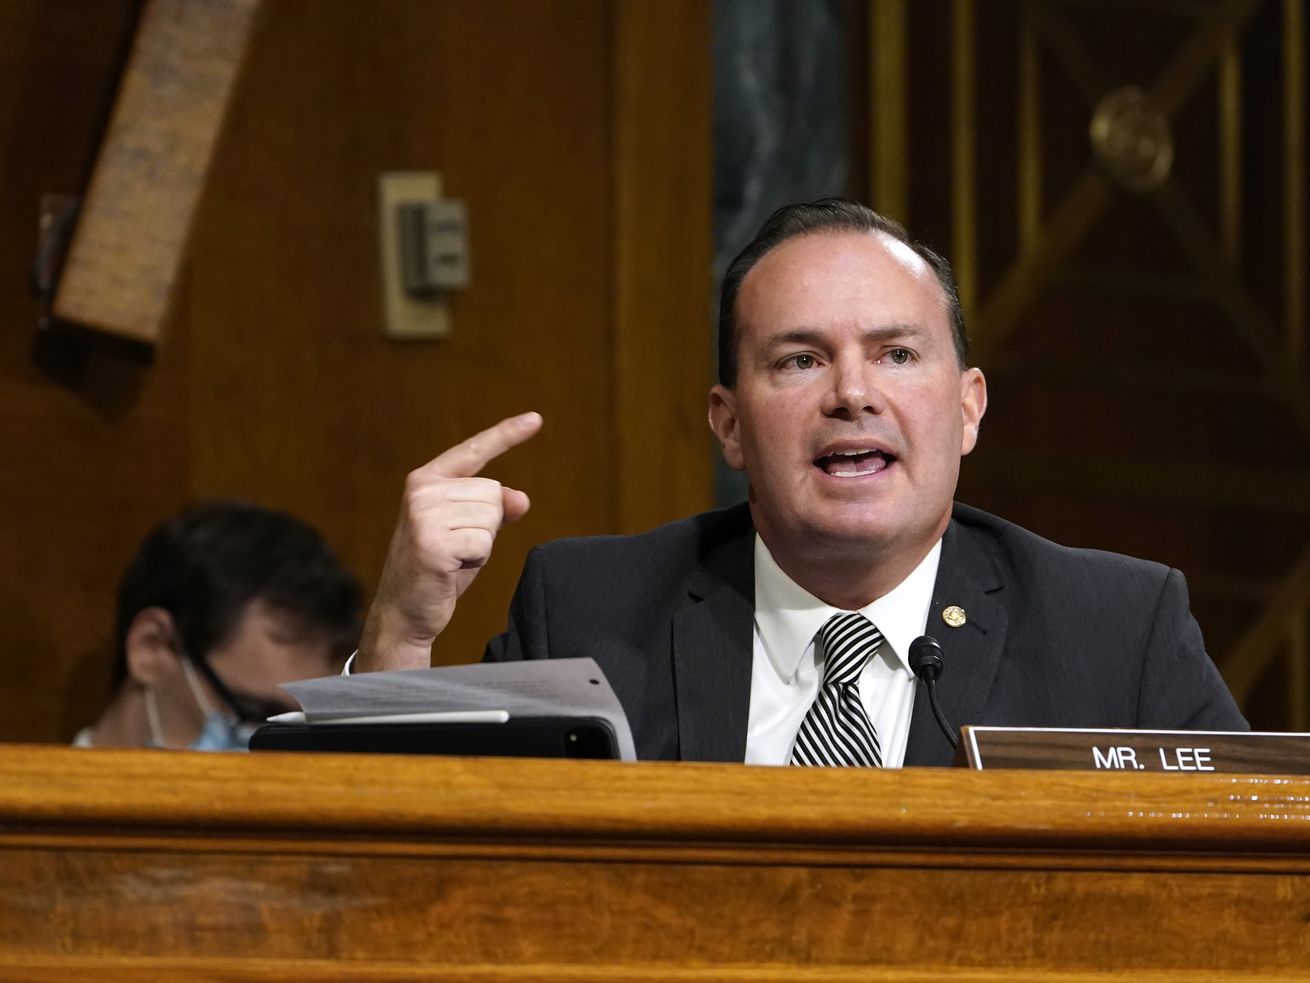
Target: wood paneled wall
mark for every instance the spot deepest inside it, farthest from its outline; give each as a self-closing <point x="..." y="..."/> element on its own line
<point x="578" y="134"/>
<point x="81" y="475"/>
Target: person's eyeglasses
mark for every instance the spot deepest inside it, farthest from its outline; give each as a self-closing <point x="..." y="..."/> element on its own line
<point x="248" y="707"/>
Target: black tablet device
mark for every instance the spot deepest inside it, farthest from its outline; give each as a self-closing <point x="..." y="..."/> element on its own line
<point x="518" y="737"/>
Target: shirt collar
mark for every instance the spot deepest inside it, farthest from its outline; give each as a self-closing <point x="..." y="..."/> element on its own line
<point x="787" y="616"/>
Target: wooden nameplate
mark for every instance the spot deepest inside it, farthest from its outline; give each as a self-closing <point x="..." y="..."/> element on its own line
<point x="1076" y="749"/>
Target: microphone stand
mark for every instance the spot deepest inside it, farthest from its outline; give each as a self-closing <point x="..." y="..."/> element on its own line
<point x="926" y="663"/>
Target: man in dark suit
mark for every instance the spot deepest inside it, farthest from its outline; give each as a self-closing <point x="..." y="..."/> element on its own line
<point x="779" y="631"/>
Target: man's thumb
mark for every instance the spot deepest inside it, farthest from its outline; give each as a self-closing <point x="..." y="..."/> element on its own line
<point x="515" y="504"/>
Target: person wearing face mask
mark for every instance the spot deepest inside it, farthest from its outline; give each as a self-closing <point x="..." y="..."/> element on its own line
<point x="221" y="605"/>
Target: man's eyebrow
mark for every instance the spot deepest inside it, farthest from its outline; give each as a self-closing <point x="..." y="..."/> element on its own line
<point x="814" y="336"/>
<point x="795" y="336"/>
<point x="893" y="331"/>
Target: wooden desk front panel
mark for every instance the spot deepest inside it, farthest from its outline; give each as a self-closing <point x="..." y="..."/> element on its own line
<point x="688" y="873"/>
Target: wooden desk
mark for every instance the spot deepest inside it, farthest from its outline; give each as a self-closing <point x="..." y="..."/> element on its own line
<point x="148" y="865"/>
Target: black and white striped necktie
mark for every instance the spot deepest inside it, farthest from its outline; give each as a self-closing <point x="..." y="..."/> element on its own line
<point x="836" y="730"/>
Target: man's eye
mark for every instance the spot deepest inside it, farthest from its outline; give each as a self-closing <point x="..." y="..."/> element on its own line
<point x="900" y="356"/>
<point x="804" y="360"/>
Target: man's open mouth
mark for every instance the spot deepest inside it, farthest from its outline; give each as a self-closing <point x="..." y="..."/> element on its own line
<point x="855" y="463"/>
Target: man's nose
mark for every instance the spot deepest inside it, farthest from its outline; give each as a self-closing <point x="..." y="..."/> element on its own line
<point x="854" y="390"/>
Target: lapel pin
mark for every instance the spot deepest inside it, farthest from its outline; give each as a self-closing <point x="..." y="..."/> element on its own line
<point x="954" y="616"/>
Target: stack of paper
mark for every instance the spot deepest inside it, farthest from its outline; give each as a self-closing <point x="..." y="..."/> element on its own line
<point x="487" y="692"/>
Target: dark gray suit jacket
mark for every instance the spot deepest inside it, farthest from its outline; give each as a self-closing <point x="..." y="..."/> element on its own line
<point x="1055" y="637"/>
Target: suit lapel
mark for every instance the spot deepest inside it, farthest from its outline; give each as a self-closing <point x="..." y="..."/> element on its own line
<point x="712" y="654"/>
<point x="967" y="578"/>
<point x="713" y="642"/>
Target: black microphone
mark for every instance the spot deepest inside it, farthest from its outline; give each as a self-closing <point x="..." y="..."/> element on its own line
<point x="926" y="663"/>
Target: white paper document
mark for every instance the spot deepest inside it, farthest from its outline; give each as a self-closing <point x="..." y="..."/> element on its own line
<point x="485" y="692"/>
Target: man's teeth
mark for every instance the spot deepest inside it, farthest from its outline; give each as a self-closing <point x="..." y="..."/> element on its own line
<point x="855" y="464"/>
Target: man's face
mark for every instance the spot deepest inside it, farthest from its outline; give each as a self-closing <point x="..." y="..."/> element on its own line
<point x="850" y="412"/>
<point x="268" y="647"/>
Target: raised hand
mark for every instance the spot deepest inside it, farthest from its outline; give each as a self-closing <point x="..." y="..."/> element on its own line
<point x="449" y="518"/>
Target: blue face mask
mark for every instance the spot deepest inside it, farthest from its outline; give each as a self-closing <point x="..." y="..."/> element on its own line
<point x="219" y="731"/>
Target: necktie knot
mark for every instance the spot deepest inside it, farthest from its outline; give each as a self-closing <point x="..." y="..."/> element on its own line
<point x="848" y="640"/>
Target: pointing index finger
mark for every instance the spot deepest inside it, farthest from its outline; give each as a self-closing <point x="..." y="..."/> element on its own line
<point x="467" y="458"/>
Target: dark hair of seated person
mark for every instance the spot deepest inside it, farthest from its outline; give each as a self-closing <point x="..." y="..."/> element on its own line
<point x="206" y="565"/>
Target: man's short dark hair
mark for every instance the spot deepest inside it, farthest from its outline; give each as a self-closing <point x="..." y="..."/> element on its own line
<point x="207" y="564"/>
<point x="824" y="215"/>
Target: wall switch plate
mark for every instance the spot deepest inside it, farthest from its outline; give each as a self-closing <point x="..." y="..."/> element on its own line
<point x="408" y="314"/>
<point x="434" y="253"/>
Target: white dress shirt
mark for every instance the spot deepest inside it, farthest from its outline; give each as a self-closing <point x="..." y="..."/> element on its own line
<point x="785" y="675"/>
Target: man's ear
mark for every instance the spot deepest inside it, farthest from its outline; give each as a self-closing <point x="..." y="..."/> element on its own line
<point x="973" y="404"/>
<point x="151" y="646"/>
<point x="723" y="421"/>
